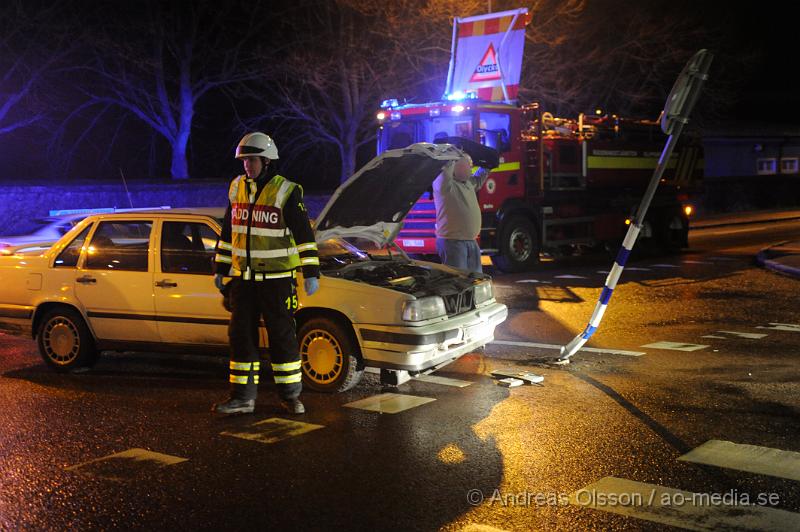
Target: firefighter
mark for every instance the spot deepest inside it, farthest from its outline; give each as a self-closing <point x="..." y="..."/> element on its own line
<point x="266" y="236"/>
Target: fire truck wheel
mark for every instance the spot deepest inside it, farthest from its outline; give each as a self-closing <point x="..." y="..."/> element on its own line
<point x="674" y="235"/>
<point x="519" y="246"/>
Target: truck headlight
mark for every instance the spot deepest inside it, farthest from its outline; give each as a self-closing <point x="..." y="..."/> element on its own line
<point x="424" y="309"/>
<point x="483" y="292"/>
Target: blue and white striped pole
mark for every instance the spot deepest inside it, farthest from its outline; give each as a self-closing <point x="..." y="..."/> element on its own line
<point x="679" y="106"/>
<point x="605" y="296"/>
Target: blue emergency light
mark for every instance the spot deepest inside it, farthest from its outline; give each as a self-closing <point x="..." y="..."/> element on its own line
<point x="461" y="95"/>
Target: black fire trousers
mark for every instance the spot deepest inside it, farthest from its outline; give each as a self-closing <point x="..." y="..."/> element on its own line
<point x="276" y="301"/>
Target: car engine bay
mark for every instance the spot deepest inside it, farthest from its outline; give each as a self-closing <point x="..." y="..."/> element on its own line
<point x="413" y="278"/>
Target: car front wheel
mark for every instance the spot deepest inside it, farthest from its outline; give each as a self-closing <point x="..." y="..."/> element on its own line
<point x="65" y="341"/>
<point x="329" y="355"/>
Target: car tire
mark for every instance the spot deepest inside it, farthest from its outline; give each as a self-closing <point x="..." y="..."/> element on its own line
<point x="65" y="342"/>
<point x="519" y="246"/>
<point x="329" y="355"/>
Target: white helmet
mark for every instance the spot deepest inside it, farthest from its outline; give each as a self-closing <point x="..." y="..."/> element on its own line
<point x="256" y="145"/>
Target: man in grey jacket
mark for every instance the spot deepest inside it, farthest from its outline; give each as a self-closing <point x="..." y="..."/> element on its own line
<point x="458" y="215"/>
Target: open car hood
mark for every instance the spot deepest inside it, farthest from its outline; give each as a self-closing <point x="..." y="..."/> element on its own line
<point x="374" y="201"/>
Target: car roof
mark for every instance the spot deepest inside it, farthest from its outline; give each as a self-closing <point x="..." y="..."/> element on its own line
<point x="214" y="212"/>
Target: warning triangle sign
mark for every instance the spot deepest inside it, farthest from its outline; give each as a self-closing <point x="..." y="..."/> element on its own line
<point x="487" y="69"/>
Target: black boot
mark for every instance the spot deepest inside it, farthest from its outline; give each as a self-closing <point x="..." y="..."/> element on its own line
<point x="293" y="406"/>
<point x="235" y="406"/>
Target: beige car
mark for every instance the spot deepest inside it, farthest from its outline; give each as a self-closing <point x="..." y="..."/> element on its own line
<point x="143" y="282"/>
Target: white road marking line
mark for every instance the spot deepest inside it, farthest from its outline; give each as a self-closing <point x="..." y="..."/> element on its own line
<point x="528" y="281"/>
<point x="732" y="231"/>
<point x="750" y="458"/>
<point x="697" y="262"/>
<point x="751" y="336"/>
<point x="445" y="381"/>
<point x="714" y="336"/>
<point x="569" y="276"/>
<point x="273" y="430"/>
<point x="684" y="509"/>
<point x="665" y="266"/>
<point x="636" y="269"/>
<point x="558" y="347"/>
<point x="676" y="346"/>
<point x="389" y="403"/>
<point x="604" y="272"/>
<point x="127" y="464"/>
<point x="791" y="327"/>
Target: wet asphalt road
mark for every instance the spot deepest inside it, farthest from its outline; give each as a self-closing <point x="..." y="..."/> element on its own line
<point x="477" y="456"/>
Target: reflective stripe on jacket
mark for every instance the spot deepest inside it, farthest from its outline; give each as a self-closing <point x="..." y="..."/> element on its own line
<point x="259" y="236"/>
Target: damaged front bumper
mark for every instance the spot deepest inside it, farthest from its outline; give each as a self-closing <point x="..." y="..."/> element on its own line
<point x="418" y="349"/>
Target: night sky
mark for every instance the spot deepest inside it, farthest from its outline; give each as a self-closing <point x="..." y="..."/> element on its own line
<point x="762" y="91"/>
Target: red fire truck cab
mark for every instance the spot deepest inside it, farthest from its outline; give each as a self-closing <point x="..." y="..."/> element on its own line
<point x="561" y="184"/>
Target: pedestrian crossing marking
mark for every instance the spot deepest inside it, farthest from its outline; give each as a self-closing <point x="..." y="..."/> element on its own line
<point x="750" y="458"/>
<point x="558" y="348"/>
<point x="751" y="336"/>
<point x="676" y="346"/>
<point x="445" y="381"/>
<point x="791" y="327"/>
<point x="684" y="509"/>
<point x="389" y="403"/>
<point x="569" y="276"/>
<point x="126" y="464"/>
<point x="273" y="430"/>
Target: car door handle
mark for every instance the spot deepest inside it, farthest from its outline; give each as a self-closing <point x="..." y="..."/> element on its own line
<point x="166" y="283"/>
<point x="86" y="279"/>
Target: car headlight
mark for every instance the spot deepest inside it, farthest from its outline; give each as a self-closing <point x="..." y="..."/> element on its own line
<point x="483" y="292"/>
<point x="424" y="309"/>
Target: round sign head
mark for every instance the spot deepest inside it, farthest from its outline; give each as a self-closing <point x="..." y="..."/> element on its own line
<point x="685" y="91"/>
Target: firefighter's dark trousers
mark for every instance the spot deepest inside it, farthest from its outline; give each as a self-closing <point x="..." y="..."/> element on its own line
<point x="276" y="301"/>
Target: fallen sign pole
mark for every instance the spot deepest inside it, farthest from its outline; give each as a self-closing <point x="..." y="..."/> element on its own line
<point x="675" y="116"/>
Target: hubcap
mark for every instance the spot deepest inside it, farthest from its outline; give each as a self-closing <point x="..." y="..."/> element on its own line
<point x="61" y="340"/>
<point x="321" y="356"/>
<point x="521" y="245"/>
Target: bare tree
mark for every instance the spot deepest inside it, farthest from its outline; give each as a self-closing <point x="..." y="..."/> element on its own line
<point x="347" y="56"/>
<point x="621" y="57"/>
<point x="156" y="63"/>
<point x="29" y="48"/>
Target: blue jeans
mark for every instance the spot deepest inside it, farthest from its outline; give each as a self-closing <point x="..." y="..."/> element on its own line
<point x="463" y="254"/>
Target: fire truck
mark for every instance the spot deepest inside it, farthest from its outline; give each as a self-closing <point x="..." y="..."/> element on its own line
<point x="562" y="185"/>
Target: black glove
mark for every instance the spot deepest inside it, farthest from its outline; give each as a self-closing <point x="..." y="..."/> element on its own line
<point x="226" y="296"/>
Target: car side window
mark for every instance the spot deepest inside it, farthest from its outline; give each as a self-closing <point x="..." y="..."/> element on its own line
<point x="68" y="258"/>
<point x="120" y="245"/>
<point x="187" y="247"/>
